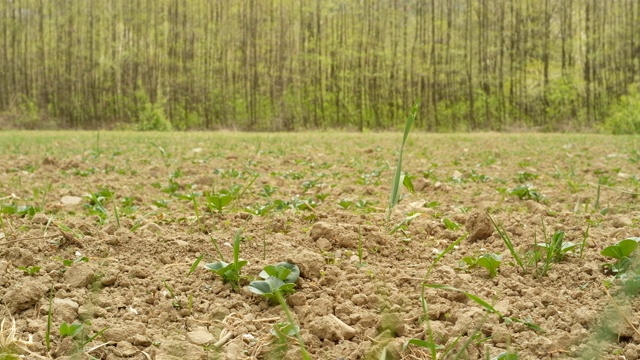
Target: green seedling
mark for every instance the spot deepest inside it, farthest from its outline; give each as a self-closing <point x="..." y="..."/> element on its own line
<point x="282" y="332"/>
<point x="527" y="192"/>
<point x="303" y="349"/>
<point x="346" y="203"/>
<point x="450" y="224"/>
<point x="70" y="330"/>
<point x="507" y="241"/>
<point x="397" y="178"/>
<point x="402" y="225"/>
<point x="267" y="191"/>
<point x="557" y="248"/>
<point x="30" y="270"/>
<point x="289" y="273"/>
<point x="79" y="333"/>
<point x="175" y="302"/>
<point x="195" y="264"/>
<point x="270" y="286"/>
<point x="217" y="201"/>
<point x="621" y="251"/>
<point x="277" y="278"/>
<point x="491" y="262"/>
<point x="230" y="273"/>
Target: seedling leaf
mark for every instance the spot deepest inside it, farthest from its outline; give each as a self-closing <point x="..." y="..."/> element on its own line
<point x="622" y="249"/>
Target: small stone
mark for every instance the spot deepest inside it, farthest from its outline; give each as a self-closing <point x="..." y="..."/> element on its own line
<point x="152" y="227"/>
<point x="170" y="349"/>
<point x="309" y="262"/>
<point x="323" y="244"/>
<point x="140" y="272"/>
<point x="331" y="328"/>
<point x="297" y="299"/>
<point x="125" y="349"/>
<point x="199" y="336"/>
<point x="79" y="275"/>
<point x="620" y="221"/>
<point x="23" y="296"/>
<point x="119" y="333"/>
<point x="40" y="218"/>
<point x="479" y="226"/>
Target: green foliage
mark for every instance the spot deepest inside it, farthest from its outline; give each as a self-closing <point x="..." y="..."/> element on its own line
<point x="230" y="273"/>
<point x="149" y="116"/>
<point x="394" y="197"/>
<point x="30" y="270"/>
<point x="507" y="241"/>
<point x="624" y="115"/>
<point x="557" y="248"/>
<point x="70" y="330"/>
<point x="278" y="278"/>
<point x="491" y="262"/>
<point x="526" y="192"/>
<point x="270" y="286"/>
<point x="289" y="273"/>
<point x="621" y="251"/>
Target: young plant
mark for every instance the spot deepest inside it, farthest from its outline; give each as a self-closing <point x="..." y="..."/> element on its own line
<point x="397" y="178"/>
<point x="230" y="273"/>
<point x="30" y="270"/>
<point x="217" y="201"/>
<point x="79" y="333"/>
<point x="279" y="278"/>
<point x="556" y="247"/>
<point x="507" y="241"/>
<point x="527" y="192"/>
<point x="621" y="251"/>
<point x="491" y="262"/>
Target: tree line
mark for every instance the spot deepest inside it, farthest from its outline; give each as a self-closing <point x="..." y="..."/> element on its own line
<point x="299" y="64"/>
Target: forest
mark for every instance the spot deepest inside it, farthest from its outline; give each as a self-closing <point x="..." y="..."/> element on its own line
<point x="289" y="65"/>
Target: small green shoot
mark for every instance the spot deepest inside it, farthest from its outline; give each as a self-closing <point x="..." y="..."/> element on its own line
<point x="507" y="241"/>
<point x="395" y="186"/>
<point x="194" y="266"/>
<point x="230" y="273"/>
<point x="621" y="251"/>
<point x="583" y="243"/>
<point x="402" y="225"/>
<point x="78" y="332"/>
<point x="70" y="330"/>
<point x="491" y="262"/>
<point x="270" y="286"/>
<point x="557" y="248"/>
<point x="175" y="302"/>
<point x="30" y="270"/>
<point x="450" y="224"/>
<point x="217" y="201"/>
<point x="47" y="333"/>
<point x="277" y="278"/>
<point x="285" y="308"/>
<point x="527" y="192"/>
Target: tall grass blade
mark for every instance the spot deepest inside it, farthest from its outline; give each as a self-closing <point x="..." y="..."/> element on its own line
<point x="285" y="308"/>
<point x="395" y="186"/>
<point x="508" y="243"/>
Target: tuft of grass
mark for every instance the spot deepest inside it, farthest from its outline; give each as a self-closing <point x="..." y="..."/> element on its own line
<point x="397" y="178"/>
<point x="508" y="243"/>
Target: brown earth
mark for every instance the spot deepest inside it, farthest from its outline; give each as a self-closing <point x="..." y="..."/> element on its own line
<point x="124" y="268"/>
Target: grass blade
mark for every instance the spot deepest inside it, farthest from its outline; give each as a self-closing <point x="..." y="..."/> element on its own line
<point x="508" y="243"/>
<point x="395" y="186"/>
<point x="194" y="266"/>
